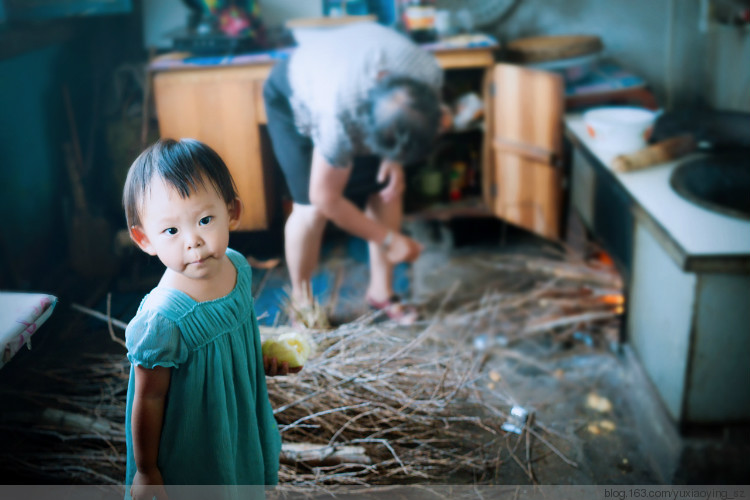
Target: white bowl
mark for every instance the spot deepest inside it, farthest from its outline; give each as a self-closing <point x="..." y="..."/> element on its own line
<point x="620" y="129"/>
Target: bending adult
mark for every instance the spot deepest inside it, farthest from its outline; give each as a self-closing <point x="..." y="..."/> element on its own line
<point x="347" y="110"/>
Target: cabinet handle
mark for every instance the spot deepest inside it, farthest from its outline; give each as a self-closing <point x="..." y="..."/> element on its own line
<point x="534" y="153"/>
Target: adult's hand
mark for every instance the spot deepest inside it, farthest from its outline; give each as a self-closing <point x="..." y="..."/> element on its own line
<point x="326" y="193"/>
<point x="394" y="173"/>
<point x="402" y="249"/>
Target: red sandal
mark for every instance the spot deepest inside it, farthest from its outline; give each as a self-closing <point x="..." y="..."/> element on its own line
<point x="403" y="314"/>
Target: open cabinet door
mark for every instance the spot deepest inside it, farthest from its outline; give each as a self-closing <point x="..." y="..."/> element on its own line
<point x="526" y="142"/>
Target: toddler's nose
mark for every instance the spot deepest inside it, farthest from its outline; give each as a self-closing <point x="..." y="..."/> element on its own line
<point x="194" y="241"/>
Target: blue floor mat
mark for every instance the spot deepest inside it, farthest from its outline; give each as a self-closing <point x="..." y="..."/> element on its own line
<point x="339" y="283"/>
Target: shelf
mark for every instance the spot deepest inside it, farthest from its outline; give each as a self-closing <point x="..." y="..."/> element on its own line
<point x="471" y="206"/>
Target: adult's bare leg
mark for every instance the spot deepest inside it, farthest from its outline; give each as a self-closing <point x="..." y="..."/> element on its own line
<point x="303" y="236"/>
<point x="390" y="214"/>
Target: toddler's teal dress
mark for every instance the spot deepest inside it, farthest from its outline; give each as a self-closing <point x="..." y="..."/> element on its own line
<point x="219" y="427"/>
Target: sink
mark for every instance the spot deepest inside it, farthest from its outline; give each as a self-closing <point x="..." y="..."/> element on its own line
<point x="718" y="183"/>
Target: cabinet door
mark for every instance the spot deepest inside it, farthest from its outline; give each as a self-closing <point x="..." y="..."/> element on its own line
<point x="526" y="135"/>
<point x="219" y="106"/>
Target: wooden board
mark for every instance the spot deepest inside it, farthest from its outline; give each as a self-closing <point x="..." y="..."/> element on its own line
<point x="527" y="141"/>
<point x="463" y="59"/>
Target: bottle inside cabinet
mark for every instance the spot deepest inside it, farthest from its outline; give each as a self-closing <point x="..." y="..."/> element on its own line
<point x="449" y="177"/>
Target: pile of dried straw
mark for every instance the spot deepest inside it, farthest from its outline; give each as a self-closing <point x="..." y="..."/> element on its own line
<point x="378" y="404"/>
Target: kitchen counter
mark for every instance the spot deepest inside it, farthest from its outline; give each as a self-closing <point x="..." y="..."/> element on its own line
<point x="687" y="271"/>
<point x="696" y="238"/>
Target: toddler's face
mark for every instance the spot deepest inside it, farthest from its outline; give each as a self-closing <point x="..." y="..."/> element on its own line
<point x="189" y="235"/>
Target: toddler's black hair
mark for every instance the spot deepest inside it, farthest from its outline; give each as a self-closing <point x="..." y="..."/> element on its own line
<point x="183" y="165"/>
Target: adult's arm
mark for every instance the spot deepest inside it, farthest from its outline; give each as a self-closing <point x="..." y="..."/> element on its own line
<point x="327" y="184"/>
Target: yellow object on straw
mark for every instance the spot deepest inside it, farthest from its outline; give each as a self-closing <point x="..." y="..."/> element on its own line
<point x="292" y="347"/>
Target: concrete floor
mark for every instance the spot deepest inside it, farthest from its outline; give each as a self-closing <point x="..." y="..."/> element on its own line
<point x="633" y="443"/>
<point x="643" y="446"/>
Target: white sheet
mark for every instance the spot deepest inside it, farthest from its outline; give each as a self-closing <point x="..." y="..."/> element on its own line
<point x="21" y="314"/>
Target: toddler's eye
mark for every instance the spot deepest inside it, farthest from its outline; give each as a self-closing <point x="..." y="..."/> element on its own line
<point x="205" y="220"/>
<point x="171" y="231"/>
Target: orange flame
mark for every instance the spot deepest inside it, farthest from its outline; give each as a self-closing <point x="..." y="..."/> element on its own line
<point x="615" y="299"/>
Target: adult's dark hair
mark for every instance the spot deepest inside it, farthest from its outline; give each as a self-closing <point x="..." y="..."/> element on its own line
<point x="184" y="165"/>
<point x="403" y="118"/>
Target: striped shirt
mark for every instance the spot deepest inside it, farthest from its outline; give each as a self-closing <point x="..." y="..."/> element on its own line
<point x="331" y="74"/>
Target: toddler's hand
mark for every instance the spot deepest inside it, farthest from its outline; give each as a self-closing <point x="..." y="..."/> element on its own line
<point x="147" y="486"/>
<point x="273" y="368"/>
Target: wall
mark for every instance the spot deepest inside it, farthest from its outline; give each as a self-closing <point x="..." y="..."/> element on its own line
<point x="729" y="67"/>
<point x="669" y="43"/>
<point x="686" y="58"/>
<point x="160" y="17"/>
<point x="32" y="121"/>
<point x="276" y="12"/>
<point x="658" y="40"/>
<point x="34" y="189"/>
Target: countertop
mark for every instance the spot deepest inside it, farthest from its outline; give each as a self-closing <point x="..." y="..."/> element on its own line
<point x="699" y="237"/>
<point x="461" y="51"/>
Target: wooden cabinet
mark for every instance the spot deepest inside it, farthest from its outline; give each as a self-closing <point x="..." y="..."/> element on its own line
<point x="521" y="167"/>
<point x="223" y="106"/>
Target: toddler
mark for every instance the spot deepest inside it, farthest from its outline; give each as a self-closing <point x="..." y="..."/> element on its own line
<point x="197" y="405"/>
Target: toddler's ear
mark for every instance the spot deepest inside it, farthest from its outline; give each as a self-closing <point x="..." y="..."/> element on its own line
<point x="235" y="212"/>
<point x="140" y="239"/>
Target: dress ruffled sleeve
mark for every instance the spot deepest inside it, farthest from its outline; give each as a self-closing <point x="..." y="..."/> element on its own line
<point x="153" y="340"/>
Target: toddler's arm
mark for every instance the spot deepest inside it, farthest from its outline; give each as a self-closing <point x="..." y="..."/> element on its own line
<point x="149" y="399"/>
